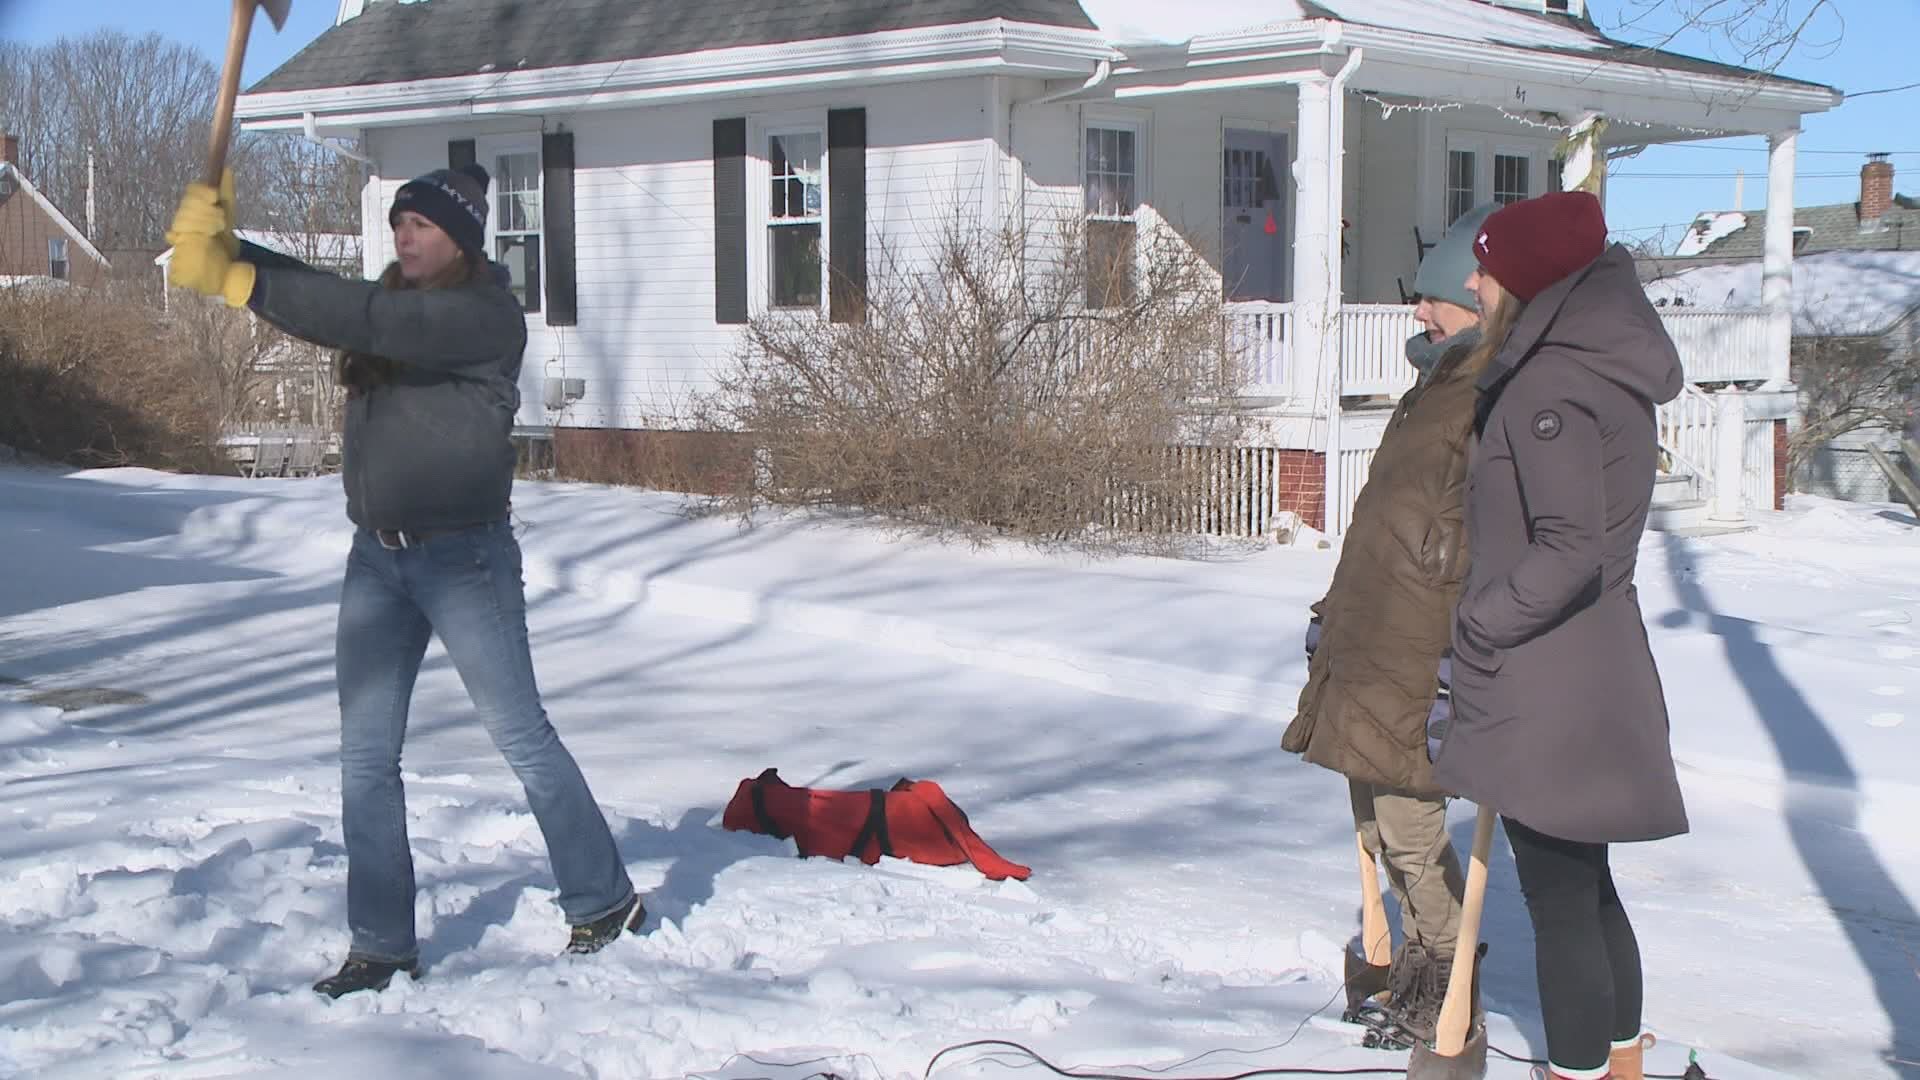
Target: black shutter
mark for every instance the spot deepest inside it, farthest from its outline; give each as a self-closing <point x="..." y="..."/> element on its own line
<point x="556" y="161"/>
<point x="460" y="152"/>
<point x="730" y="220"/>
<point x="847" y="203"/>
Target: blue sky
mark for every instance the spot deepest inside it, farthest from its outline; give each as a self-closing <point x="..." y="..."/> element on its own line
<point x="1878" y="42"/>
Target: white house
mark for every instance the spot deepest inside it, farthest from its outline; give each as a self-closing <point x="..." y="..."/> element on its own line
<point x="1306" y="147"/>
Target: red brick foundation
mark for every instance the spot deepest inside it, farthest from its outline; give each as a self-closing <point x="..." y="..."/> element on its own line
<point x="1303" y="485"/>
<point x="1780" y="465"/>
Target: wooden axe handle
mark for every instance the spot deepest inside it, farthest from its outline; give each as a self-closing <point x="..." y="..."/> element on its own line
<point x="1456" y="1012"/>
<point x="240" y="28"/>
<point x="1376" y="941"/>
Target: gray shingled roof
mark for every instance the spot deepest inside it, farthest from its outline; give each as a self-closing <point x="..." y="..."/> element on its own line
<point x="396" y="42"/>
<point x="1835" y="228"/>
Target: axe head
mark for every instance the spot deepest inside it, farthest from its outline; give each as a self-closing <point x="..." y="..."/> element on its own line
<point x="276" y="10"/>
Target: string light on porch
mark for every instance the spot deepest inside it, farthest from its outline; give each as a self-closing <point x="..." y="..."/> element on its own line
<point x="1388" y="108"/>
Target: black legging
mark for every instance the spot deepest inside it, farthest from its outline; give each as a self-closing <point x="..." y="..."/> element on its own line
<point x="1585" y="954"/>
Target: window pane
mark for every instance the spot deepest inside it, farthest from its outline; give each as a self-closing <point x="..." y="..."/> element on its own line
<point x="1460" y="183"/>
<point x="1110" y="187"/>
<point x="1510" y="179"/>
<point x="796" y="265"/>
<point x="516" y="188"/>
<point x="793" y="163"/>
<point x="521" y="256"/>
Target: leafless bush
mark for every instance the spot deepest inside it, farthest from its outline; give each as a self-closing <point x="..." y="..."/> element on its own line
<point x="1846" y="384"/>
<point x="97" y="377"/>
<point x="981" y="389"/>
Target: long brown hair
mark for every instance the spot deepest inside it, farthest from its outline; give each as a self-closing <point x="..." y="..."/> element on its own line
<point x="1495" y="327"/>
<point x="360" y="372"/>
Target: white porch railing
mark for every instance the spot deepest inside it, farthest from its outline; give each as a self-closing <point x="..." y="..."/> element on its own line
<point x="1258" y="333"/>
<point x="1373" y="350"/>
<point x="1715" y="346"/>
<point x="1719" y="346"/>
<point x="1687" y="428"/>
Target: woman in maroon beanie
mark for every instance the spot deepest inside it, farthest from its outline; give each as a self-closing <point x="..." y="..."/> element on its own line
<point x="1559" y="721"/>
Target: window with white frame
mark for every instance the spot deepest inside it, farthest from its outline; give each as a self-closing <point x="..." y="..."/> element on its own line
<point x="796" y="217"/>
<point x="1483" y="167"/>
<point x="1556" y="173"/>
<point x="1461" y="186"/>
<point x="1511" y="176"/>
<point x="57" y="265"/>
<point x="1110" y="182"/>
<point x="516" y="220"/>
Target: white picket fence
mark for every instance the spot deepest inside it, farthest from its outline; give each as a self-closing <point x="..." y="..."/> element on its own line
<point x="1210" y="491"/>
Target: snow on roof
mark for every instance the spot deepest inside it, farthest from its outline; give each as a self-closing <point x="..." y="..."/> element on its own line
<point x="1469" y="20"/>
<point x="340" y="248"/>
<point x="1835" y="293"/>
<point x="321" y="247"/>
<point x="1708" y="228"/>
<point x="32" y="281"/>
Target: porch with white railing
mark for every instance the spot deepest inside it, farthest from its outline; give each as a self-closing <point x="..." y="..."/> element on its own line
<point x="1715" y="346"/>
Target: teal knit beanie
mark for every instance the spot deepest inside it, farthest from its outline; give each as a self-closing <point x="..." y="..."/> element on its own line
<point x="1444" y="272"/>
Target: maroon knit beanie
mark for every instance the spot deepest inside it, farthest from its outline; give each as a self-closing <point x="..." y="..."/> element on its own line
<point x="1529" y="245"/>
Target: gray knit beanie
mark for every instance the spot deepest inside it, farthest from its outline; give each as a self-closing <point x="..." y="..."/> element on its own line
<point x="1444" y="272"/>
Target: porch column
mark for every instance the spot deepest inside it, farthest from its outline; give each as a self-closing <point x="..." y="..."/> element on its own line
<point x="1316" y="267"/>
<point x="1776" y="268"/>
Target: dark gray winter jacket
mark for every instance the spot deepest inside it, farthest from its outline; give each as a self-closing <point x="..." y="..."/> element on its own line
<point x="431" y="449"/>
<point x="1559" y="720"/>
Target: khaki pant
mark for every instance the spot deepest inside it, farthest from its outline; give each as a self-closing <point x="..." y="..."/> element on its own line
<point x="1411" y="833"/>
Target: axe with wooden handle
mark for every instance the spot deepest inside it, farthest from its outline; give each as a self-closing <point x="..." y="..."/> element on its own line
<point x="237" y="33"/>
<point x="1376" y="941"/>
<point x="1459" y="1049"/>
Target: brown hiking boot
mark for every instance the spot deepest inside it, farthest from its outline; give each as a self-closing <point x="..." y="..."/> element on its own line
<point x="593" y="936"/>
<point x="363" y="973"/>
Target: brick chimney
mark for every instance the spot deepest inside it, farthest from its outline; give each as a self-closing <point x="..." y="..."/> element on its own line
<point x="10" y="149"/>
<point x="1876" y="190"/>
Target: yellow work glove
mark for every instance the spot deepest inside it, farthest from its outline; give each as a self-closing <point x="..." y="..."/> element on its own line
<point x="201" y="263"/>
<point x="206" y="212"/>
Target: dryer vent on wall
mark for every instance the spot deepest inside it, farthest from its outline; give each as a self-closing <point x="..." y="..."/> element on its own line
<point x="564" y="392"/>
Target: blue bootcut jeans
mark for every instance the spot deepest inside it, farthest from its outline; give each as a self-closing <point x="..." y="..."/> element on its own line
<point x="465" y="586"/>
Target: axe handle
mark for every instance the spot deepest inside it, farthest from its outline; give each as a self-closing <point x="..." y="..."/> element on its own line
<point x="240" y="28"/>
<point x="1376" y="941"/>
<point x="1456" y="1012"/>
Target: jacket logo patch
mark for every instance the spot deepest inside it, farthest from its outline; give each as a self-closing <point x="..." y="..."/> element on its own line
<point x="1546" y="425"/>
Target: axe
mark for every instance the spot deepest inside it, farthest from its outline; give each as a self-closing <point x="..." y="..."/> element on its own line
<point x="1459" y="1050"/>
<point x="237" y="33"/>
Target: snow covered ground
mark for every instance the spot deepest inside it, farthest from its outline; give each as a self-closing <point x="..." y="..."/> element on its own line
<point x="171" y="875"/>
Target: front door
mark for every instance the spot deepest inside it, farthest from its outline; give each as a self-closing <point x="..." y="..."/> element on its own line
<point x="1253" y="215"/>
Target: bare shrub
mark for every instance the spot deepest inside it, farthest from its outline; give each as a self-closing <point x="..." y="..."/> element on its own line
<point x="97" y="377"/>
<point x="982" y="390"/>
<point x="698" y="462"/>
<point x="1848" y="384"/>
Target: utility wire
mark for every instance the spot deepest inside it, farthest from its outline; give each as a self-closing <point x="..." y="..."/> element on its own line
<point x="1883" y="90"/>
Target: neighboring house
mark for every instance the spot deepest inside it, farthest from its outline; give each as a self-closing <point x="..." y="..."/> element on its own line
<point x="1842" y="300"/>
<point x="36" y="239"/>
<point x="665" y="171"/>
<point x="1879" y="220"/>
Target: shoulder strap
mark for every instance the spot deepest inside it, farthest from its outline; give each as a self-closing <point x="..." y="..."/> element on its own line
<point x="875" y="828"/>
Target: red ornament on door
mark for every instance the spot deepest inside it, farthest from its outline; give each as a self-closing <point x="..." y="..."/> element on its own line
<point x="1273" y="227"/>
